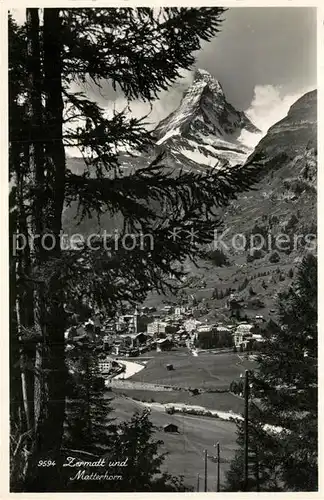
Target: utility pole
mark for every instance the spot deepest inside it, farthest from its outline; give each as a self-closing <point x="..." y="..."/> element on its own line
<point x="205" y="470"/>
<point x="246" y="430"/>
<point x="198" y="477"/>
<point x="218" y="468"/>
<point x="257" y="474"/>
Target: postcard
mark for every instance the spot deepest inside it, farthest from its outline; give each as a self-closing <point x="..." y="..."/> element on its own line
<point x="161" y="213"/>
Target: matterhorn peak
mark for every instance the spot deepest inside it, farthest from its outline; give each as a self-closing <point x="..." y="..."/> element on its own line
<point x="205" y="124"/>
<point x="202" y="75"/>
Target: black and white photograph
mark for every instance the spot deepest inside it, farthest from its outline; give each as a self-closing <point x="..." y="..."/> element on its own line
<point x="162" y="215"/>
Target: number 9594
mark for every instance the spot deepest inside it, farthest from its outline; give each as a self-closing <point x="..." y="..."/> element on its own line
<point x="46" y="463"/>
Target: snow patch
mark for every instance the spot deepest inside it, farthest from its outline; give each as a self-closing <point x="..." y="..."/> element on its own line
<point x="169" y="134"/>
<point x="198" y="157"/>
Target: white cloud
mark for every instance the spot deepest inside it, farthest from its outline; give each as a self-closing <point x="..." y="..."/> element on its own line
<point x="268" y="106"/>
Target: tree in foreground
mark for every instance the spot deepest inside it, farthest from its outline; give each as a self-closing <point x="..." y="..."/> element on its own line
<point x="140" y="51"/>
<point x="88" y="422"/>
<point x="283" y="454"/>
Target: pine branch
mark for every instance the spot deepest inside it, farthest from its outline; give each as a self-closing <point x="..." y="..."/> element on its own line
<point x="149" y="50"/>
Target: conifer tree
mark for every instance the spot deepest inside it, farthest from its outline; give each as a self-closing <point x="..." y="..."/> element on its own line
<point x="88" y="421"/>
<point x="283" y="420"/>
<point x="143" y="470"/>
<point x="141" y="51"/>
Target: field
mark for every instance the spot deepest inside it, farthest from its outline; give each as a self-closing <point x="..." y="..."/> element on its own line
<point x="196" y="433"/>
<point x="206" y="371"/>
<point x="212" y="401"/>
<point x="186" y="449"/>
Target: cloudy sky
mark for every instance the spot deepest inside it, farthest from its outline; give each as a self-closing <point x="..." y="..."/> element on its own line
<point x="265" y="59"/>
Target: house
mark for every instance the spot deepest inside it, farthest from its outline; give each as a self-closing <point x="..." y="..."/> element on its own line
<point x="257" y="337"/>
<point x="133" y="339"/>
<point x="202" y="331"/>
<point x="210" y="336"/>
<point x="157" y="328"/>
<point x="224" y="335"/>
<point x="70" y="333"/>
<point x="167" y="309"/>
<point x="107" y="342"/>
<point x="179" y="312"/>
<point x="128" y="322"/>
<point x="170" y="428"/>
<point x="119" y="349"/>
<point x="246" y="328"/>
<point x="259" y="320"/>
<point x="244" y="333"/>
<point x="104" y="365"/>
<point x="164" y="345"/>
<point x="125" y="339"/>
<point x="191" y="324"/>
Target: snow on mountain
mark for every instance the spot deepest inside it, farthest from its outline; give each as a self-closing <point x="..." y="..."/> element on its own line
<point x="169" y="134"/>
<point x="205" y="129"/>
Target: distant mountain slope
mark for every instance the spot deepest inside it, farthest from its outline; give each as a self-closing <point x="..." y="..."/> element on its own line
<point x="284" y="202"/>
<point x="289" y="155"/>
<point x="293" y="133"/>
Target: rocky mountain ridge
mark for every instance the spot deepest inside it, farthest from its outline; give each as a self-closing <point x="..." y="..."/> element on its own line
<point x="205" y="129"/>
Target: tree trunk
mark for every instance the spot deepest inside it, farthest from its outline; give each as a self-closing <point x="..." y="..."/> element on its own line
<point x="34" y="201"/>
<point x="52" y="357"/>
<point x="35" y="228"/>
<point x="22" y="351"/>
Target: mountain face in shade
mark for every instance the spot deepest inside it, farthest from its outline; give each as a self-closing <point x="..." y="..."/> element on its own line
<point x="204" y="109"/>
<point x="288" y="153"/>
<point x="205" y="129"/>
<point x="292" y="134"/>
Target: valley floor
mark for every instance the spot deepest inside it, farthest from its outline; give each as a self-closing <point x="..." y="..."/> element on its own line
<point x="207" y="372"/>
<point x="186" y="448"/>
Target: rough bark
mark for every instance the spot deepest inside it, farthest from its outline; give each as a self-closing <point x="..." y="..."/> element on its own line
<point x="35" y="207"/>
<point x="22" y="347"/>
<point x="51" y="357"/>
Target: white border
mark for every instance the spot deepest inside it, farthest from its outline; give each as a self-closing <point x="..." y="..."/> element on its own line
<point x="4" y="295"/>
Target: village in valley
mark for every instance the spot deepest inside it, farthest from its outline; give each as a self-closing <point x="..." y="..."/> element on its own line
<point x="183" y="366"/>
<point x="168" y="328"/>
